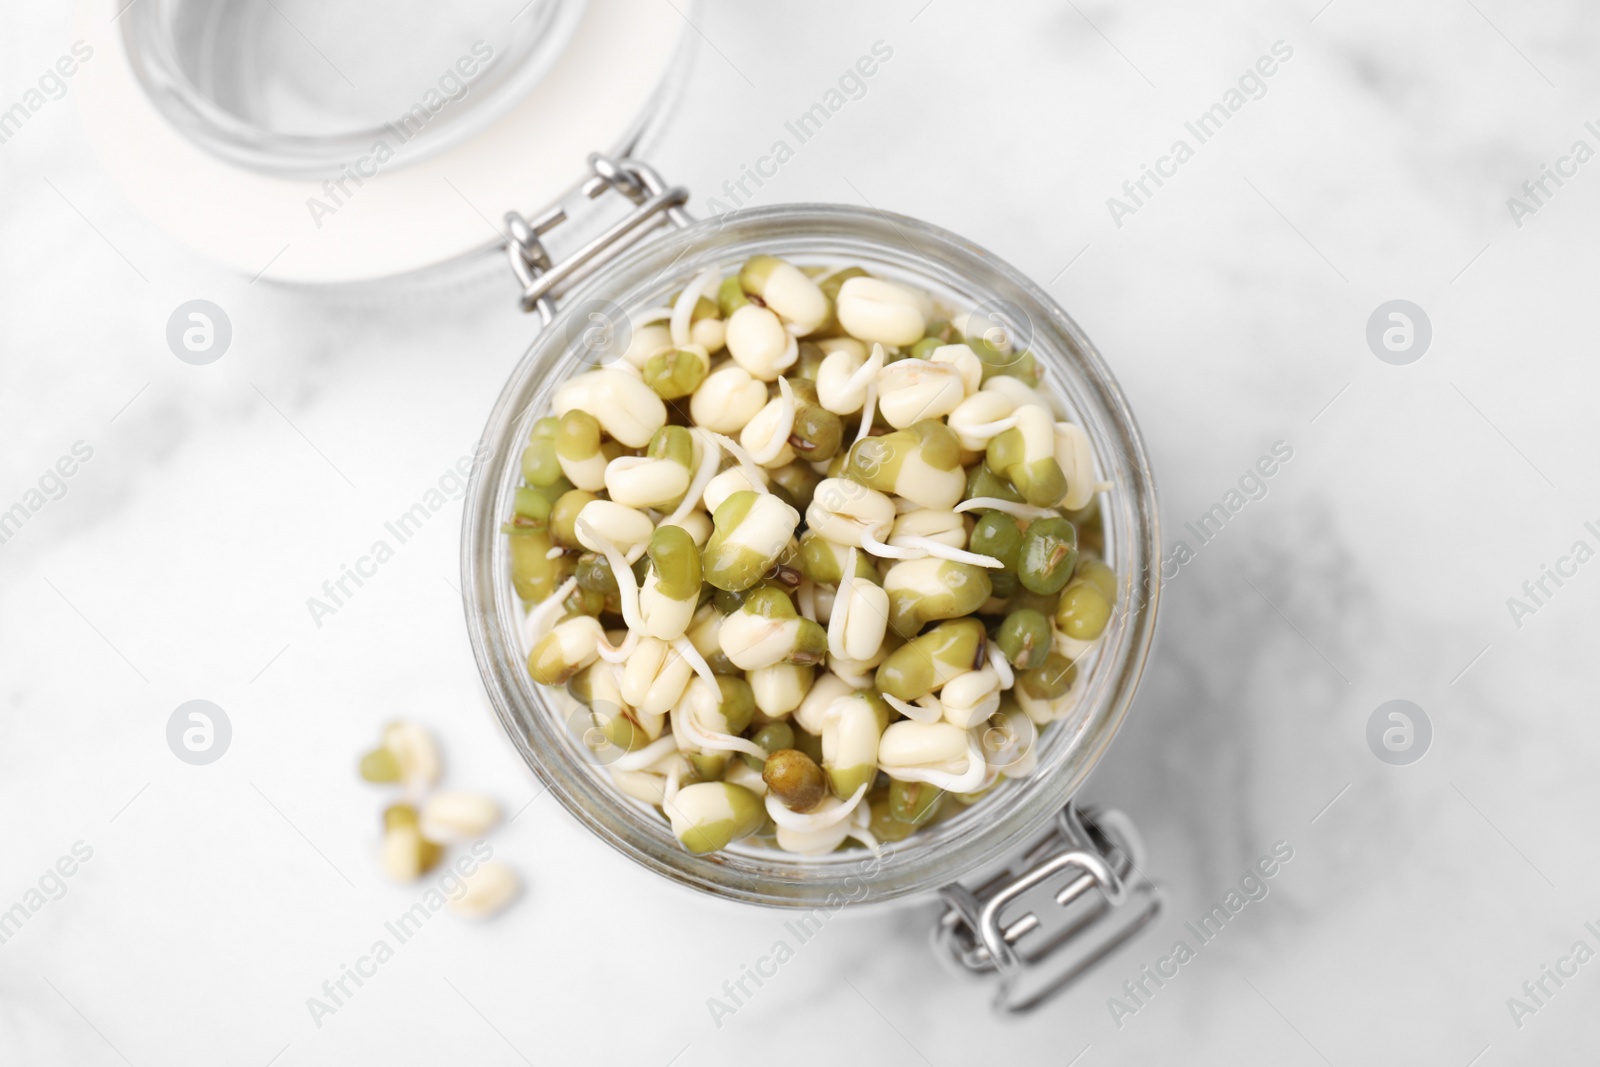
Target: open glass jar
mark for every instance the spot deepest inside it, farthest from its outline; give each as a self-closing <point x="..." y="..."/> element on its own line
<point x="979" y="843"/>
<point x="244" y="141"/>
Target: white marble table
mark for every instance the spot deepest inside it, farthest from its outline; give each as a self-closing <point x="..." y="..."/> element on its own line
<point x="1233" y="300"/>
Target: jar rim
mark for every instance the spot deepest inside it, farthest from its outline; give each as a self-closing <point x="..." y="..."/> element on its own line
<point x="978" y="839"/>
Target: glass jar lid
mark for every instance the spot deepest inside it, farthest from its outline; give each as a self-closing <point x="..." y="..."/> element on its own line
<point x="317" y="143"/>
<point x="249" y="83"/>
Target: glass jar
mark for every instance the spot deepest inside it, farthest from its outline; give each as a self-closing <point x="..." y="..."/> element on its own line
<point x="980" y="839"/>
<point x="219" y="107"/>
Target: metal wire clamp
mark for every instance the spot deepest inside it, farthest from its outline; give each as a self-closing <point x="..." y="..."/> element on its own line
<point x="1092" y="864"/>
<point x="542" y="280"/>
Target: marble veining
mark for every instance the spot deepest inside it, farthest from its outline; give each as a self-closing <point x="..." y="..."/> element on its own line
<point x="1233" y="306"/>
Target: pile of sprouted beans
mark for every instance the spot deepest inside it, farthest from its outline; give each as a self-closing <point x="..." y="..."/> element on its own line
<point x="814" y="558"/>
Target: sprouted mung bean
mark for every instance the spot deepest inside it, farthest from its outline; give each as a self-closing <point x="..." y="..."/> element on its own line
<point x="814" y="560"/>
<point x="418" y="829"/>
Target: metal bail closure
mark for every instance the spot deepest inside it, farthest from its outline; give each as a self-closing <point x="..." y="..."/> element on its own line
<point x="541" y="279"/>
<point x="1090" y="865"/>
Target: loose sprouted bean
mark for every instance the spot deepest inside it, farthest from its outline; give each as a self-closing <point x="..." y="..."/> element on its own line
<point x="407" y="855"/>
<point x="418" y="829"/>
<point x="816" y="554"/>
